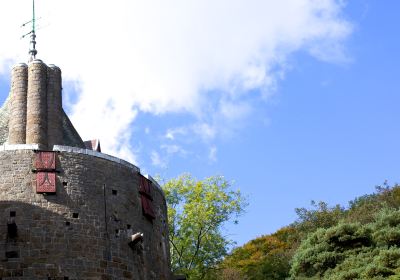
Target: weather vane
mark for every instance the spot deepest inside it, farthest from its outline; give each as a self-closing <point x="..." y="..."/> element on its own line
<point x="32" y="33"/>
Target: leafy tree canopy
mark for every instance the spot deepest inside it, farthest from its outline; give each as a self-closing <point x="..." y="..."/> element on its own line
<point x="266" y="257"/>
<point x="197" y="210"/>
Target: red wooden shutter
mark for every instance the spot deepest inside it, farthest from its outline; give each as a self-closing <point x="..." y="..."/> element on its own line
<point x="145" y="197"/>
<point x="147" y="206"/>
<point x="144" y="187"/>
<point x="45" y="182"/>
<point x="46" y="172"/>
<point x="45" y="161"/>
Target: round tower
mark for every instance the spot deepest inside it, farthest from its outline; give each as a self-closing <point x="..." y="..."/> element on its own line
<point x="36" y="119"/>
<point x="67" y="212"/>
<point x="19" y="87"/>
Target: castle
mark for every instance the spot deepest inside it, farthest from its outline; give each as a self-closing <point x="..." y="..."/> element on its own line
<point x="67" y="210"/>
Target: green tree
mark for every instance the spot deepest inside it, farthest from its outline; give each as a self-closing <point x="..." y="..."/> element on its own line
<point x="197" y="210"/>
<point x="361" y="207"/>
<point x="321" y="216"/>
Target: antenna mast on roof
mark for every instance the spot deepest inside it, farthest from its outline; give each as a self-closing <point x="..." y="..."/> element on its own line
<point x="32" y="49"/>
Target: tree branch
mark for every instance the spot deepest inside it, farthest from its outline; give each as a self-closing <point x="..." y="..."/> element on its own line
<point x="199" y="237"/>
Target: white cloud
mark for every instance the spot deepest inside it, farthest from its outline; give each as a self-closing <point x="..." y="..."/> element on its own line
<point x="174" y="149"/>
<point x="160" y="158"/>
<point x="157" y="161"/>
<point x="212" y="155"/>
<point x="169" y="135"/>
<point x="173" y="132"/>
<point x="225" y="120"/>
<point x="205" y="131"/>
<point x="159" y="56"/>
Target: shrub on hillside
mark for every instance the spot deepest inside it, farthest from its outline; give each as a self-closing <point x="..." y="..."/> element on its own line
<point x="352" y="250"/>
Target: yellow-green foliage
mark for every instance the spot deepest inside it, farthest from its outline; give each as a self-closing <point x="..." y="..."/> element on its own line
<point x="266" y="257"/>
<point x="197" y="210"/>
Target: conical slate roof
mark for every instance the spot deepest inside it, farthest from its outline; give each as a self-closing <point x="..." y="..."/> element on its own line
<point x="70" y="135"/>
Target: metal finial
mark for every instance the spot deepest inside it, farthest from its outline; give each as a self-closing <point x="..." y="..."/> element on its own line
<point x="32" y="33"/>
<point x="32" y="50"/>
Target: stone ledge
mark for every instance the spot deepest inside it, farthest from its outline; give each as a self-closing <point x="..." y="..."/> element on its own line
<point x="8" y="147"/>
<point x="60" y="148"/>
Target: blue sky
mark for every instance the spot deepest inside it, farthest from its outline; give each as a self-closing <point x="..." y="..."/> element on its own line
<point x="312" y="118"/>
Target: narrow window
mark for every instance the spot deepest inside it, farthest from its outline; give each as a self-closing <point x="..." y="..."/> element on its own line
<point x="12" y="255"/>
<point x="12" y="230"/>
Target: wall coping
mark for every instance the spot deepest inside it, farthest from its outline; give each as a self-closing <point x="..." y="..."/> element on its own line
<point x="11" y="147"/>
<point x="61" y="148"/>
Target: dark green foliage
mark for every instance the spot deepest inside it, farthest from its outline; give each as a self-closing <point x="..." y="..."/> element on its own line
<point x="322" y="216"/>
<point x="352" y="250"/>
<point x="360" y="209"/>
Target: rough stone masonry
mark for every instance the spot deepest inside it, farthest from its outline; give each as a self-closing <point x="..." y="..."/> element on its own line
<point x="68" y="211"/>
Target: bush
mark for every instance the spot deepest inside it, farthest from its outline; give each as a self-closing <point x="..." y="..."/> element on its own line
<point x="352" y="250"/>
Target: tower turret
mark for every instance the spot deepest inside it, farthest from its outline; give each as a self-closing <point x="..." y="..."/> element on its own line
<point x="19" y="88"/>
<point x="54" y="106"/>
<point x="36" y="116"/>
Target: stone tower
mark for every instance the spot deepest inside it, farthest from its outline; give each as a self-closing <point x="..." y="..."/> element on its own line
<point x="36" y="105"/>
<point x="68" y="211"/>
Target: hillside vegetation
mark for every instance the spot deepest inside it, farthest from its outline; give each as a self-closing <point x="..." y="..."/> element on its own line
<point x="360" y="241"/>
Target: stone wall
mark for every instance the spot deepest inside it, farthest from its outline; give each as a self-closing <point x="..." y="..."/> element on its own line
<point x="83" y="231"/>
